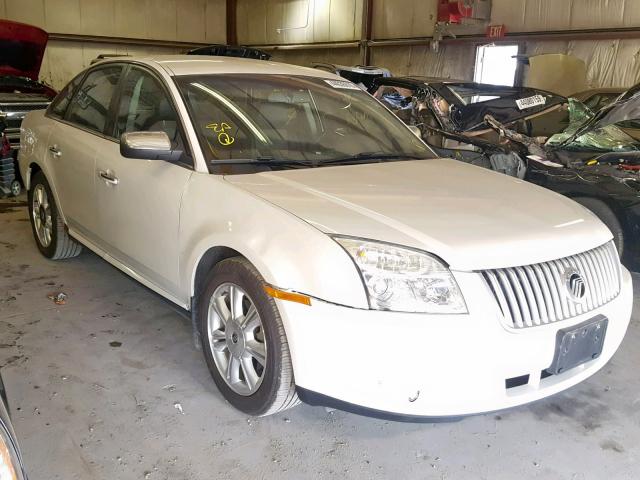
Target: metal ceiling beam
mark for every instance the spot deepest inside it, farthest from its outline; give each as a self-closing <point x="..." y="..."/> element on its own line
<point x="308" y="46"/>
<point x="567" y="35"/>
<point x="70" y="37"/>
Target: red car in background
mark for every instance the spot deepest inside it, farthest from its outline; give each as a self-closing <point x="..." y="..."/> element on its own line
<point x="21" y="51"/>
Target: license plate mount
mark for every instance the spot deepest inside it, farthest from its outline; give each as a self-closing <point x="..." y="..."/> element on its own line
<point x="578" y="344"/>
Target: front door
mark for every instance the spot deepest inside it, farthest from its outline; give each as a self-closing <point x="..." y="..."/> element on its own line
<point x="139" y="200"/>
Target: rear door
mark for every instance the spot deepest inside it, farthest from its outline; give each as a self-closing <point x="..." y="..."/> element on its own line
<point x="83" y="116"/>
<point x="140" y="199"/>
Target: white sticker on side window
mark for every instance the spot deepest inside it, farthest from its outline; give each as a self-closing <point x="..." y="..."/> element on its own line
<point x="529" y="102"/>
<point x="344" y="84"/>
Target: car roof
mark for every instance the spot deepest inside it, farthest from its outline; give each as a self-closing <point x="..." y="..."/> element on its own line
<point x="202" y="64"/>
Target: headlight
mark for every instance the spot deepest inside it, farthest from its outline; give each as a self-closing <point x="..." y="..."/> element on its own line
<point x="402" y="279"/>
<point x="9" y="462"/>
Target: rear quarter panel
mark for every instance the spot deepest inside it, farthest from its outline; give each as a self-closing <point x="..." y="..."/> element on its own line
<point x="34" y="141"/>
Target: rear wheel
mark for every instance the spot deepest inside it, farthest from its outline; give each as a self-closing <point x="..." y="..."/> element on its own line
<point x="244" y="342"/>
<point x="48" y="228"/>
<point x="604" y="213"/>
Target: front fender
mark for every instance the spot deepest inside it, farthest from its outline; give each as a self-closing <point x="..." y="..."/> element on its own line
<point x="288" y="252"/>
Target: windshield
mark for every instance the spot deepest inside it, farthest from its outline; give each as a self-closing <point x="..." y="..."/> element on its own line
<point x="279" y="118"/>
<point x="604" y="139"/>
<point x="609" y="138"/>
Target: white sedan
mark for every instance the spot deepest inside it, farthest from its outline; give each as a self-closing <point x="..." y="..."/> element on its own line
<point x="324" y="253"/>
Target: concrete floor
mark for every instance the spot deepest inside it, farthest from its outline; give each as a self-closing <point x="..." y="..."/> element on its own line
<point x="96" y="384"/>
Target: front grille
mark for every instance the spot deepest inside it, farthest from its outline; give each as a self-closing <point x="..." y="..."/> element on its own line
<point x="539" y="294"/>
<point x="13" y="135"/>
<point x="23" y="106"/>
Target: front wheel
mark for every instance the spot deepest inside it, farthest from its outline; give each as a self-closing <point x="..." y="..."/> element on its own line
<point x="48" y="228"/>
<point x="244" y="341"/>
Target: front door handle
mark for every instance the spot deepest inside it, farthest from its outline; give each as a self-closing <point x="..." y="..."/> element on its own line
<point x="54" y="151"/>
<point x="109" y="178"/>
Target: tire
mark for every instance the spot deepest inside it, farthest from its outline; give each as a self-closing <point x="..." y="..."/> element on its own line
<point x="60" y="245"/>
<point x="16" y="188"/>
<point x="275" y="391"/>
<point x="604" y="213"/>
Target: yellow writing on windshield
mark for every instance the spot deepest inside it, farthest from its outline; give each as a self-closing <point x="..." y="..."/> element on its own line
<point x="221" y="128"/>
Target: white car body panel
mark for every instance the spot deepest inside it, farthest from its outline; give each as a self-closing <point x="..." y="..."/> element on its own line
<point x="453" y="364"/>
<point x="283" y="248"/>
<point x="445" y="207"/>
<point x="140" y="227"/>
<point x="161" y="219"/>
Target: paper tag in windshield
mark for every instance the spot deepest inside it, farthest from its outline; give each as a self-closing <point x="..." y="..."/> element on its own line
<point x="342" y="84"/>
<point x="529" y="102"/>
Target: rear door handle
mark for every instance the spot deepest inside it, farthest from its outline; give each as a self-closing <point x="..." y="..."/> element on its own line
<point x="54" y="151"/>
<point x="107" y="177"/>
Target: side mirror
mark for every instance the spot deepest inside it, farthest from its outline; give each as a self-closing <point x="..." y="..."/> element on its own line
<point x="416" y="131"/>
<point x="147" y="146"/>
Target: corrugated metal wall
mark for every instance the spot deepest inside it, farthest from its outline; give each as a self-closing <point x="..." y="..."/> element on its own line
<point x="169" y="20"/>
<point x="610" y="63"/>
<point x="542" y="15"/>
<point x="286" y="21"/>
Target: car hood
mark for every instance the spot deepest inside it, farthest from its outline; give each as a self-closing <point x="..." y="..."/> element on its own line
<point x="21" y="49"/>
<point x="471" y="217"/>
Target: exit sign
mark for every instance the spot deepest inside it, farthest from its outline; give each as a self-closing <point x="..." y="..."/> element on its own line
<point x="496" y="31"/>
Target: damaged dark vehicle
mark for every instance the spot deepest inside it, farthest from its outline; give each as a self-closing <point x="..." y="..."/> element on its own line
<point x="21" y="51"/>
<point x="595" y="159"/>
<point x="363" y="76"/>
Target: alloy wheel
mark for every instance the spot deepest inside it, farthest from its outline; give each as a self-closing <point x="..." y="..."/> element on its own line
<point x="41" y="211"/>
<point x="236" y="338"/>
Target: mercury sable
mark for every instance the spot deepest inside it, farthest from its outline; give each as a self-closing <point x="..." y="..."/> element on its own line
<point x="324" y="252"/>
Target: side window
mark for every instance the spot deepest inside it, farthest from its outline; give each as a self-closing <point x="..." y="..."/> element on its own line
<point x="90" y="106"/>
<point x="59" y="105"/>
<point x="145" y="107"/>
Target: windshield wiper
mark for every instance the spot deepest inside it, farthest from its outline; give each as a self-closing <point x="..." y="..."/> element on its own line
<point x="370" y="156"/>
<point x="357" y="158"/>
<point x="258" y="161"/>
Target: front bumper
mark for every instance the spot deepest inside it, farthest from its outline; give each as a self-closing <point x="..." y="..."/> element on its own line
<point x="421" y="365"/>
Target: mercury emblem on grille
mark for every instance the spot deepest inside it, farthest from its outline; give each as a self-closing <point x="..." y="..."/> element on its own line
<point x="576" y="288"/>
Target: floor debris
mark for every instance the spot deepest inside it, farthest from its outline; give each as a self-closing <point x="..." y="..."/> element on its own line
<point x="59" y="298"/>
<point x="178" y="406"/>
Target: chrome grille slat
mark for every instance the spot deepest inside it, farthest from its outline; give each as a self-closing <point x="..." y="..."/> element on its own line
<point x="520" y="298"/>
<point x="597" y="295"/>
<point x="540" y="301"/>
<point x="603" y="276"/>
<point x="548" y="298"/>
<point x="532" y="295"/>
<point x="582" y="266"/>
<point x="511" y="298"/>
